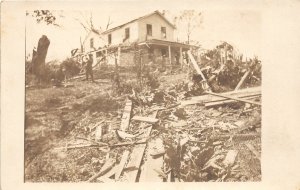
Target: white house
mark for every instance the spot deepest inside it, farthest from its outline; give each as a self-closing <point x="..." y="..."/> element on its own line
<point x="153" y="32"/>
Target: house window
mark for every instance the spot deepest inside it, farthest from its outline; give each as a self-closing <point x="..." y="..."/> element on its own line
<point x="109" y="38"/>
<point x="92" y="43"/>
<point x="149" y="29"/>
<point x="164" y="32"/>
<point x="127" y="33"/>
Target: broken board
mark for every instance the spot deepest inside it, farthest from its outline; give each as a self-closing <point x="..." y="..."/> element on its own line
<point x="249" y="92"/>
<point x="148" y="173"/>
<point x="126" y="116"/>
<point x="145" y="119"/>
<point x="217" y="103"/>
<point x="136" y="156"/>
<point x="121" y="165"/>
<point x="230" y="157"/>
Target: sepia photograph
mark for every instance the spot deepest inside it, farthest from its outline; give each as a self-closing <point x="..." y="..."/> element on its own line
<point x="142" y="96"/>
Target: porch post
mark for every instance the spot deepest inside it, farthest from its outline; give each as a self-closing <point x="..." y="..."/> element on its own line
<point x="119" y="54"/>
<point x="181" y="57"/>
<point x="170" y="57"/>
<point x="106" y="59"/>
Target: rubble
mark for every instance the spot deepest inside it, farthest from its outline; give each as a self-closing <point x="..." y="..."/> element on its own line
<point x="192" y="130"/>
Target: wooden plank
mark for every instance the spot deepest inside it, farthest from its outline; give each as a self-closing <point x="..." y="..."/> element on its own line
<point x="218" y="103"/>
<point x="242" y="81"/>
<point x="135" y="160"/>
<point x="98" y="133"/>
<point x="230" y="157"/>
<point x="148" y="173"/>
<point x="210" y="98"/>
<point x="121" y="165"/>
<point x="145" y="119"/>
<point x="214" y="99"/>
<point x="242" y="92"/>
<point x="234" y="98"/>
<point x="195" y="65"/>
<point x="105" y="168"/>
<point x="137" y="155"/>
<point x="197" y="68"/>
<point x="126" y="116"/>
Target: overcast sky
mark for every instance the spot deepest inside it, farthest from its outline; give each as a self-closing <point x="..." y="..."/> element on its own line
<point x="242" y="29"/>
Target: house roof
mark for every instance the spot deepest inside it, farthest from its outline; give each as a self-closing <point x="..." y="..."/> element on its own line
<point x="134" y="20"/>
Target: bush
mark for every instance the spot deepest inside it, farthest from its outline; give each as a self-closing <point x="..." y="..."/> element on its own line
<point x="70" y="67"/>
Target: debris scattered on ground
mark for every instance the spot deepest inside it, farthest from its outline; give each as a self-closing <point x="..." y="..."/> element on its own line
<point x="178" y="129"/>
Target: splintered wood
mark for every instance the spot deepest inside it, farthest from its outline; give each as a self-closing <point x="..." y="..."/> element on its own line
<point x="126" y="116"/>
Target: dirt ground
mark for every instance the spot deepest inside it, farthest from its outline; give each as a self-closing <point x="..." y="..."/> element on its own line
<point x="57" y="118"/>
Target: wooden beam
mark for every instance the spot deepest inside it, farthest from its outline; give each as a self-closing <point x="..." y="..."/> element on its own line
<point x="228" y="101"/>
<point x="242" y="81"/>
<point x="195" y="65"/>
<point x="145" y="119"/>
<point x="121" y="165"/>
<point x="255" y="91"/>
<point x="233" y="98"/>
<point x="205" y="85"/>
<point x="126" y="116"/>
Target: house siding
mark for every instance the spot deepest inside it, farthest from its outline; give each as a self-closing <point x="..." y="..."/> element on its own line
<point x="118" y="35"/>
<point x="98" y="42"/>
<point x="157" y="22"/>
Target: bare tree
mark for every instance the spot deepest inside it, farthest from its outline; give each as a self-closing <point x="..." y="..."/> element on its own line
<point x="191" y="19"/>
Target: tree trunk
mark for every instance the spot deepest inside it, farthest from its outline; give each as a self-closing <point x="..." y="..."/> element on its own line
<point x="39" y="57"/>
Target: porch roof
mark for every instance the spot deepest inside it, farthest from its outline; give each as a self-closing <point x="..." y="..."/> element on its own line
<point x="167" y="43"/>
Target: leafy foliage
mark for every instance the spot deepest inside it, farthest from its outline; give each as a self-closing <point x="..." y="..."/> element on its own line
<point x="45" y="16"/>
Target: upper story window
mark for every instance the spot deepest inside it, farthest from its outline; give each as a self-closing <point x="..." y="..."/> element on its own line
<point x="149" y="29"/>
<point x="164" y="32"/>
<point x="109" y="38"/>
<point x="127" y="33"/>
<point x="92" y="43"/>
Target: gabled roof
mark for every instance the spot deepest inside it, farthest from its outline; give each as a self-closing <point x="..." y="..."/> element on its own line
<point x="134" y="20"/>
